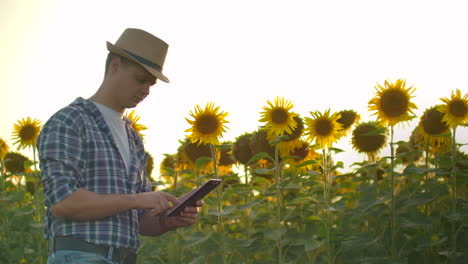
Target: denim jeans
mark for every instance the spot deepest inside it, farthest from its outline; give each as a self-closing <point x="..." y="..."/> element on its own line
<point x="77" y="257"/>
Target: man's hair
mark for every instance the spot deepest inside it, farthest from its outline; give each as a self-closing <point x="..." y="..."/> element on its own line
<point x="112" y="56"/>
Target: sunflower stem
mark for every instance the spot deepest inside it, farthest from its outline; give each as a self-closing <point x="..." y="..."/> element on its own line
<point x="220" y="206"/>
<point x="454" y="197"/>
<point x="278" y="202"/>
<point x="326" y="208"/>
<point x="392" y="181"/>
<point x="247" y="198"/>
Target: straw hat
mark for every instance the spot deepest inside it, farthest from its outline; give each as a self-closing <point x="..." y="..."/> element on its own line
<point x="142" y="48"/>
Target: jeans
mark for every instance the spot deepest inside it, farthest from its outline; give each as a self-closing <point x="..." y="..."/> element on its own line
<point x="77" y="257"/>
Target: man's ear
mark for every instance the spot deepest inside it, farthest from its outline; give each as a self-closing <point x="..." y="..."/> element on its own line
<point x="114" y="65"/>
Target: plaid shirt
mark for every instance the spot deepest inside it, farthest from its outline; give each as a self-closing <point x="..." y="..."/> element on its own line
<point x="77" y="150"/>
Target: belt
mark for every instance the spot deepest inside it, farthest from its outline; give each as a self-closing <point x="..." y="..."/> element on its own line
<point x="121" y="255"/>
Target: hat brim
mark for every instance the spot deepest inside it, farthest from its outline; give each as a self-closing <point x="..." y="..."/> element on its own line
<point x="159" y="75"/>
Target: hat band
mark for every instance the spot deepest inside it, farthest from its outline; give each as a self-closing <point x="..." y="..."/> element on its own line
<point x="144" y="61"/>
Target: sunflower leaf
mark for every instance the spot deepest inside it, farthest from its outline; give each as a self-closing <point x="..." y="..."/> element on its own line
<point x="376" y="132"/>
<point x="313" y="173"/>
<point x="264" y="171"/>
<point x="336" y="150"/>
<point x="259" y="156"/>
<point x="202" y="161"/>
<point x="306" y="163"/>
<point x="279" y="139"/>
<point x="223" y="146"/>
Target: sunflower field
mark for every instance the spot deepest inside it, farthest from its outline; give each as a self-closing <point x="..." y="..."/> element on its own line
<point x="284" y="198"/>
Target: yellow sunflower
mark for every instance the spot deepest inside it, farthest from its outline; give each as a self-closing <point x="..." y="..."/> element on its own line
<point x="25" y="132"/>
<point x="150" y="167"/>
<point x="278" y="117"/>
<point x="3" y="148"/>
<point x="392" y="103"/>
<point x="434" y="131"/>
<point x="369" y="138"/>
<point x="455" y="109"/>
<point x="208" y="124"/>
<point x="302" y="154"/>
<point x="135" y="118"/>
<point x="324" y="128"/>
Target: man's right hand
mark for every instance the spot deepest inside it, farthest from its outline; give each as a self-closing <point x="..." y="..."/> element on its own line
<point x="157" y="202"/>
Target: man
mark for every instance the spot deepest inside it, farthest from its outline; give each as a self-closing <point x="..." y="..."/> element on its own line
<point x="93" y="162"/>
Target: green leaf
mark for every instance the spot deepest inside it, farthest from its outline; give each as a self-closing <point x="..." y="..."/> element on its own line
<point x="239" y="243"/>
<point x="275" y="233"/>
<point x="201" y="162"/>
<point x="196" y="238"/>
<point x="290" y="186"/>
<point x="198" y="260"/>
<point x="376" y="132"/>
<point x="313" y="173"/>
<point x="250" y="204"/>
<point x="259" y="156"/>
<point x="223" y="146"/>
<point x="279" y="139"/>
<point x="310" y="245"/>
<point x="264" y="170"/>
<point x="336" y="150"/>
<point x="307" y="163"/>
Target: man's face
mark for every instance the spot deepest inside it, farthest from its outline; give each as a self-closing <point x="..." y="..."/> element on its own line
<point x="132" y="84"/>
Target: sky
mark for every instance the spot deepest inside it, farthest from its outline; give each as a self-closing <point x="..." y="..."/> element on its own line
<point x="238" y="54"/>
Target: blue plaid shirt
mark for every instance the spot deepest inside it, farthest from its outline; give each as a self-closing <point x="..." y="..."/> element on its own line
<point x="77" y="150"/>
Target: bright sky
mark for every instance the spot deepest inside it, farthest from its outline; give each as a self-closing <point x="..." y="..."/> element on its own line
<point x="238" y="54"/>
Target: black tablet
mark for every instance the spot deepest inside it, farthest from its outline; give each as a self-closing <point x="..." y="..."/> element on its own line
<point x="191" y="199"/>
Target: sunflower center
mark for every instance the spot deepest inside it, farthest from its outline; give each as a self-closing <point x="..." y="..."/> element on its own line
<point x="368" y="143"/>
<point x="347" y="119"/>
<point x="394" y="103"/>
<point x="27" y="133"/>
<point x="207" y="124"/>
<point x="279" y="116"/>
<point x="323" y="127"/>
<point x="297" y="132"/>
<point x="458" y="108"/>
<point x="432" y="122"/>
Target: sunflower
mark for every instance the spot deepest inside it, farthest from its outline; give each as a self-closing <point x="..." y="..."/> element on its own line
<point x="278" y="118"/>
<point x="226" y="160"/>
<point x="135" y="118"/>
<point x="294" y="138"/>
<point x="208" y="124"/>
<point x="260" y="143"/>
<point x="324" y="128"/>
<point x="407" y="152"/>
<point x="25" y="132"/>
<point x="302" y="154"/>
<point x="431" y="127"/>
<point x="241" y="148"/>
<point x="392" y="103"/>
<point x="347" y="120"/>
<point x="150" y="166"/>
<point x="16" y="163"/>
<point x="369" y="138"/>
<point x="3" y="148"/>
<point x="455" y="109"/>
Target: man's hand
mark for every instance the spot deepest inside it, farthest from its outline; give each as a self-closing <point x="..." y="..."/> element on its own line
<point x="157" y="202"/>
<point x="187" y="217"/>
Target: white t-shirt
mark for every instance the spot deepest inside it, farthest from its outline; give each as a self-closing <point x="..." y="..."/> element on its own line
<point x="117" y="127"/>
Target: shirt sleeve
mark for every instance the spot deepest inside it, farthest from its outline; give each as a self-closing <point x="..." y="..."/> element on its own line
<point x="146" y="187"/>
<point x="60" y="149"/>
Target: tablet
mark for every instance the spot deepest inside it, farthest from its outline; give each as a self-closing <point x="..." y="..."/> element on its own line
<point x="191" y="199"/>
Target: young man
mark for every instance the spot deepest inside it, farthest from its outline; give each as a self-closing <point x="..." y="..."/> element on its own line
<point x="93" y="164"/>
